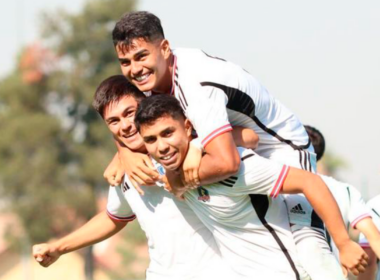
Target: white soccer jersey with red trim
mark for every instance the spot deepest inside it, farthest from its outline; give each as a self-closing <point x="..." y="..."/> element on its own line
<point x="216" y="93"/>
<point x="350" y="203"/>
<point x="251" y="229"/>
<point x="180" y="246"/>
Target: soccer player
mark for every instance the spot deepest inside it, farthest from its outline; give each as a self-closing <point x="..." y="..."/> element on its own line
<point x="214" y="94"/>
<point x="251" y="229"/>
<point x="372" y="250"/>
<point x="180" y="246"/>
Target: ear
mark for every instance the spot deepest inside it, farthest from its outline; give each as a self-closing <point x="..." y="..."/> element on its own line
<point x="165" y="48"/>
<point x="188" y="127"/>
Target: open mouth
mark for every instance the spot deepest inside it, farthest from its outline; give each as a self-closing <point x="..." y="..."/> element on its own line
<point x="130" y="135"/>
<point x="168" y="159"/>
<point x="142" y="78"/>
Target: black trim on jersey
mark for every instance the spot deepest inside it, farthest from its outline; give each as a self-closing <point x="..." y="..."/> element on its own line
<point x="261" y="204"/>
<point x="247" y="156"/>
<point x="241" y="102"/>
<point x="316" y="222"/>
<point x="349" y="194"/>
<point x="329" y="240"/>
<point x="226" y="184"/>
<point x="229" y="181"/>
<point x="233" y="177"/>
<point x="374" y="211"/>
<point x="214" y="57"/>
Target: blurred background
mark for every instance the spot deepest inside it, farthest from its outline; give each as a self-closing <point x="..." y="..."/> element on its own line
<point x="321" y="59"/>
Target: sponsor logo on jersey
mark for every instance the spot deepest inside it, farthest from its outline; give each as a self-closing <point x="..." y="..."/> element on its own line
<point x="203" y="194"/>
<point x="125" y="187"/>
<point x="297" y="209"/>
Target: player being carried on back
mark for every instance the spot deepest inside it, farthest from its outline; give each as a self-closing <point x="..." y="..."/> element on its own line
<point x="215" y="95"/>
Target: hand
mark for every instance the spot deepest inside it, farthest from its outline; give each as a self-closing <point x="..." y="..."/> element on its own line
<point x="352" y="257"/>
<point x="114" y="172"/>
<point x="45" y="254"/>
<point x="139" y="169"/>
<point x="190" y="167"/>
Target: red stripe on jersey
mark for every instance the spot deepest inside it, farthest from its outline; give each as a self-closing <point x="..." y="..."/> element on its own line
<point x="364" y="245"/>
<point x="280" y="181"/>
<point x="215" y="133"/>
<point x="121" y="219"/>
<point x="358" y="219"/>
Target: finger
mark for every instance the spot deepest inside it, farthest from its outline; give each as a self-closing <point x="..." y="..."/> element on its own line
<point x="354" y="271"/>
<point x="119" y="178"/>
<point x="364" y="262"/>
<point x="39" y="258"/>
<point x="360" y="268"/>
<point x="145" y="178"/>
<point x="196" y="179"/>
<point x="365" y="257"/>
<point x="149" y="163"/>
<point x="147" y="171"/>
<point x="139" y="190"/>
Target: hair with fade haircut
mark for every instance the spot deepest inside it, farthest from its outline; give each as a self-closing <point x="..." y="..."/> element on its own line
<point x="158" y="106"/>
<point x="317" y="140"/>
<point x="113" y="89"/>
<point x="137" y="25"/>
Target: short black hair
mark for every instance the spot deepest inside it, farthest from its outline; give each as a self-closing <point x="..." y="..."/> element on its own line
<point x="113" y="89"/>
<point x="158" y="106"/>
<point x="317" y="140"/>
<point x="137" y="25"/>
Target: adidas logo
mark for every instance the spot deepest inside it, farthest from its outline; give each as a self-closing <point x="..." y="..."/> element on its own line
<point x="297" y="209"/>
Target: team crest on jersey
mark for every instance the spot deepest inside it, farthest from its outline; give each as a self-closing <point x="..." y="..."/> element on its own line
<point x="203" y="194"/>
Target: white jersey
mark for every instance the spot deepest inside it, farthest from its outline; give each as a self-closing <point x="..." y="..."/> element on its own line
<point x="250" y="226"/>
<point x="350" y="202"/>
<point x="374" y="206"/>
<point x="216" y="94"/>
<point x="180" y="246"/>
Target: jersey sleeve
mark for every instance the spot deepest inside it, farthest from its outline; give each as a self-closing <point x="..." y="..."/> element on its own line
<point x="205" y="107"/>
<point x="118" y="208"/>
<point x="358" y="209"/>
<point x="258" y="175"/>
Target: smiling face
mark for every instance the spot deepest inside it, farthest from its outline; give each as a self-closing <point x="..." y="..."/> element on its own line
<point x="167" y="140"/>
<point x="119" y="117"/>
<point x="146" y="64"/>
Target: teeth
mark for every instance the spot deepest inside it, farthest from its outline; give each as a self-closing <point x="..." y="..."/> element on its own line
<point x="141" y="78"/>
<point x="167" y="157"/>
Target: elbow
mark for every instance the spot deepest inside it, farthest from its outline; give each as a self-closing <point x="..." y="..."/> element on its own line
<point x="232" y="166"/>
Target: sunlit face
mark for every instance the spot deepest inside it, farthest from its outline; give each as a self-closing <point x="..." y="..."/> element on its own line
<point x="146" y="64"/>
<point x="167" y="141"/>
<point x="119" y="117"/>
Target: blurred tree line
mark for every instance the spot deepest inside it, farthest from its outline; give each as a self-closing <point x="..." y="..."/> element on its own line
<point x="53" y="145"/>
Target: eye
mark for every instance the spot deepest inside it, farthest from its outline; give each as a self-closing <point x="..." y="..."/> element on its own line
<point x="130" y="113"/>
<point x="167" y="133"/>
<point x="149" y="140"/>
<point x="125" y="63"/>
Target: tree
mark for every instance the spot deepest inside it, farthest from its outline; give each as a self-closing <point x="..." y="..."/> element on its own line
<point x="53" y="147"/>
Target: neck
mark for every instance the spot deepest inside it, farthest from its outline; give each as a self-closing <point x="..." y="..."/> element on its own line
<point x="167" y="84"/>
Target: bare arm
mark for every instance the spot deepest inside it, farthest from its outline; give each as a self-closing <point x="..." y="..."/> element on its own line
<point x="320" y="197"/>
<point x="220" y="161"/>
<point x="245" y="137"/>
<point x="369" y="229"/>
<point x="97" y="229"/>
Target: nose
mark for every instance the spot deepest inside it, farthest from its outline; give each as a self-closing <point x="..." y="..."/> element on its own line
<point x="163" y="147"/>
<point x="125" y="124"/>
<point x="136" y="67"/>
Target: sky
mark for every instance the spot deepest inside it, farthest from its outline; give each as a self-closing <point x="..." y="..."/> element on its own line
<point x="321" y="59"/>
